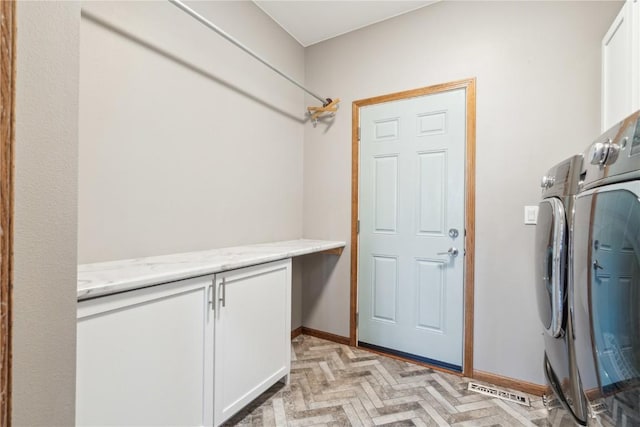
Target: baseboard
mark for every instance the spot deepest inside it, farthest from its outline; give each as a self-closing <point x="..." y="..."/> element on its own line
<point x="296" y="332"/>
<point x="593" y="394"/>
<point x="326" y="335"/>
<point x="527" y="387"/>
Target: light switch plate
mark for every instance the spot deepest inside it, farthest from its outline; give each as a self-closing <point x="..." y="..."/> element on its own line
<point x="531" y="215"/>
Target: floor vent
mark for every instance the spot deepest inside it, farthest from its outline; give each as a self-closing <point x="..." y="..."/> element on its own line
<point x="499" y="393"/>
<point x="596" y="408"/>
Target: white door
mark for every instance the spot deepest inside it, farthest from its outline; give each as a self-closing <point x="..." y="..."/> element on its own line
<point x="411" y="211"/>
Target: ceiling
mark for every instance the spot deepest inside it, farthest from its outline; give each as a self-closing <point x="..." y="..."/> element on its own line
<point x="311" y="22"/>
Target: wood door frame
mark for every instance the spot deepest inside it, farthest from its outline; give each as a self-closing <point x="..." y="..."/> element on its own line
<point x="470" y="195"/>
<point x="7" y="130"/>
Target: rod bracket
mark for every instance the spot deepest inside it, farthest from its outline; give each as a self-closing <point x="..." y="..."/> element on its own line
<point x="330" y="106"/>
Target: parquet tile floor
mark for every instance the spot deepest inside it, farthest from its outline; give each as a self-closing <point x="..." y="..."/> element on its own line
<point x="337" y="385"/>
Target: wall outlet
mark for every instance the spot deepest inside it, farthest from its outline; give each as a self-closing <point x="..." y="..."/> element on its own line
<point x="531" y="215"/>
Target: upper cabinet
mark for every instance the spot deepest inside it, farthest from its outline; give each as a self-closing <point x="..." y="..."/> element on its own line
<point x="621" y="66"/>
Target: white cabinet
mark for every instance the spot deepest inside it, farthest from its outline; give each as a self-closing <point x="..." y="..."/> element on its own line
<point x="621" y="66"/>
<point x="252" y="334"/>
<point x="145" y="357"/>
<point x="187" y="353"/>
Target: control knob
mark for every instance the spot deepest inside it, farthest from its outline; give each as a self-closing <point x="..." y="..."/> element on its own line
<point x="604" y="153"/>
<point x="599" y="152"/>
<point x="547" y="181"/>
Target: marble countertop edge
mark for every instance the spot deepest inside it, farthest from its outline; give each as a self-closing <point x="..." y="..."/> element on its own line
<point x="105" y="278"/>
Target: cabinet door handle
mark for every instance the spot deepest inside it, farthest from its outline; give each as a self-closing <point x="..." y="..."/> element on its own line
<point x="212" y="294"/>
<point x="223" y="292"/>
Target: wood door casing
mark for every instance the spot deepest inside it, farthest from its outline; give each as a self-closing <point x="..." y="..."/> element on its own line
<point x="7" y="118"/>
<point x="470" y="86"/>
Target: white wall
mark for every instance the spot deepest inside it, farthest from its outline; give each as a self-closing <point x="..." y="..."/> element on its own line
<point x="44" y="293"/>
<point x="538" y="100"/>
<point x="186" y="142"/>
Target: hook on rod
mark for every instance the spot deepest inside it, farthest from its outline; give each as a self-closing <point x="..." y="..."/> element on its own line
<point x="329" y="106"/>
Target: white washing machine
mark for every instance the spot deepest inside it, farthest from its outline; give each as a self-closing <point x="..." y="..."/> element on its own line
<point x="605" y="257"/>
<point x="564" y="397"/>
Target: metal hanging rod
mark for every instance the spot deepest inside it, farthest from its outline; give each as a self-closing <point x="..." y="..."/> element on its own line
<point x="180" y="5"/>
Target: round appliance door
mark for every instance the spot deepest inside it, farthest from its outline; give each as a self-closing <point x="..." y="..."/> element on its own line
<point x="550" y="259"/>
<point x="607" y="265"/>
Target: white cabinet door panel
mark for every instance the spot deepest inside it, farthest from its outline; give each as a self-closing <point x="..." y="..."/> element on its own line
<point x="145" y="357"/>
<point x="617" y="69"/>
<point x="253" y="334"/>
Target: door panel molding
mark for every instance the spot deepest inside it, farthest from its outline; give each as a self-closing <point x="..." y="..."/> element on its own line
<point x="470" y="190"/>
<point x="7" y="118"/>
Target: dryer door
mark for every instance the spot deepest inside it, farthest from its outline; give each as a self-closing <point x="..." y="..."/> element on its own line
<point x="607" y="290"/>
<point x="551" y="261"/>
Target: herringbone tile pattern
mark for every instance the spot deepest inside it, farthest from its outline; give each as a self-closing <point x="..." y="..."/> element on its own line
<point x="337" y="385"/>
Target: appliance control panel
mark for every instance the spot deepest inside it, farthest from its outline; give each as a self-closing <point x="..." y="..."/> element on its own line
<point x="562" y="179"/>
<point x="615" y="155"/>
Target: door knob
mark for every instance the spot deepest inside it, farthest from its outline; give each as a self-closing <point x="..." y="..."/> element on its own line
<point x="452" y="252"/>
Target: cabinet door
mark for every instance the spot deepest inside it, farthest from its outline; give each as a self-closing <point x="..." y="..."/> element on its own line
<point x="617" y="64"/>
<point x="145" y="357"/>
<point x="253" y="334"/>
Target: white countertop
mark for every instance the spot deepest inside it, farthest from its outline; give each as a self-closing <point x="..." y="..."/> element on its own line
<point x="117" y="276"/>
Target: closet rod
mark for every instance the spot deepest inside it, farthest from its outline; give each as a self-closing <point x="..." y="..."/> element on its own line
<point x="180" y="5"/>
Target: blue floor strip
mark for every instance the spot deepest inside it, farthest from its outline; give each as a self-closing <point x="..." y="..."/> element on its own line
<point x="410" y="356"/>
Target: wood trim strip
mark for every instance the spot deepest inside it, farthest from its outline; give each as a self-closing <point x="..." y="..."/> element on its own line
<point x="429" y="90"/>
<point x="7" y="130"/>
<point x="593" y="394"/>
<point x="334" y="251"/>
<point x="470" y="229"/>
<point x="524" y="386"/>
<point x="355" y="164"/>
<point x="325" y="335"/>
<point x="470" y="180"/>
<point x="296" y="332"/>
